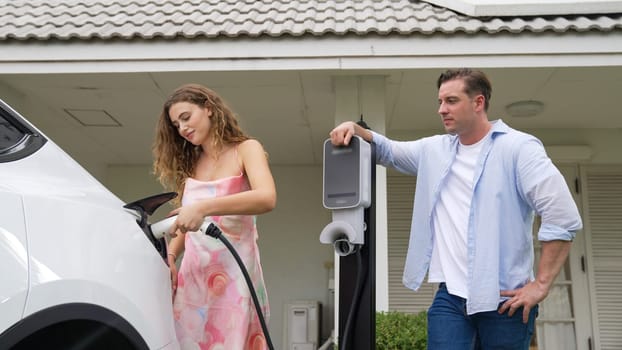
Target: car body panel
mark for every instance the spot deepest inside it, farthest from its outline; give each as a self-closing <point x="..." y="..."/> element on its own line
<point x="14" y="258"/>
<point x="103" y="257"/>
<point x="66" y="239"/>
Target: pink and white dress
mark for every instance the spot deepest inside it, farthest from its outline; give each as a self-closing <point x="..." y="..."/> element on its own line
<point x="213" y="308"/>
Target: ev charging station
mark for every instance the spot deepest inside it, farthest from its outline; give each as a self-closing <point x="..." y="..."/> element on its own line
<point x="349" y="191"/>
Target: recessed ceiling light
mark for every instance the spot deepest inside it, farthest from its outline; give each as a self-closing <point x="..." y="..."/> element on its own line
<point x="528" y="108"/>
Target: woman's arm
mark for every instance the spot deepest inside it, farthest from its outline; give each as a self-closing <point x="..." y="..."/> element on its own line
<point x="261" y="197"/>
<point x="175" y="249"/>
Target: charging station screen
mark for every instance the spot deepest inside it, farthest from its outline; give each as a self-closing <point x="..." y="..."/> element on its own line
<point x="341" y="175"/>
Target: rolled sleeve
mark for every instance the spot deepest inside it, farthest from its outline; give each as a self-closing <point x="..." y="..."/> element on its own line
<point x="548" y="194"/>
<point x="550" y="232"/>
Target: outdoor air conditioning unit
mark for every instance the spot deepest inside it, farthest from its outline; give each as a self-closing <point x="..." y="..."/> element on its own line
<point x="302" y="325"/>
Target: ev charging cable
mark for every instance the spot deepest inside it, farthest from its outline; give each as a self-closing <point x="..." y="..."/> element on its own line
<point x="159" y="230"/>
<point x="361" y="276"/>
<point x="213" y="231"/>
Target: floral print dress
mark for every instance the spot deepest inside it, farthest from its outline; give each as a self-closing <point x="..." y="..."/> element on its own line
<point x="213" y="307"/>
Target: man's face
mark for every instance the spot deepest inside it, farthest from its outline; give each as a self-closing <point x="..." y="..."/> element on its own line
<point x="456" y="108"/>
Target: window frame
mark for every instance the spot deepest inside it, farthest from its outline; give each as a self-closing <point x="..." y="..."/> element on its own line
<point x="31" y="141"/>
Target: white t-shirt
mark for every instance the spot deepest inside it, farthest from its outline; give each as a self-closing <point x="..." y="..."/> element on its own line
<point x="450" y="221"/>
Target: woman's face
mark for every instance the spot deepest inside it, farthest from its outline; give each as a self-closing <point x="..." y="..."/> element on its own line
<point x="192" y="121"/>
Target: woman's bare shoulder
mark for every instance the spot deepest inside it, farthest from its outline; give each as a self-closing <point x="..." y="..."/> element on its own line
<point x="250" y="145"/>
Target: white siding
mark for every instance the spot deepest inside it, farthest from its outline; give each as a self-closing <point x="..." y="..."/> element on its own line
<point x="400" y="194"/>
<point x="603" y="227"/>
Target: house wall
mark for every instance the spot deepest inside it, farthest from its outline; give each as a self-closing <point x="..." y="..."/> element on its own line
<point x="604" y="143"/>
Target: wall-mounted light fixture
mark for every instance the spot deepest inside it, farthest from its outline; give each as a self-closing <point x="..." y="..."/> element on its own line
<point x="527" y="108"/>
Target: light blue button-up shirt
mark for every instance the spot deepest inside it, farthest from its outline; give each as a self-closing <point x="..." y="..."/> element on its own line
<point x="513" y="179"/>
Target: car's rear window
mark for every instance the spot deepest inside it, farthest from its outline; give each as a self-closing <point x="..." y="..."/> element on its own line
<point x="17" y="138"/>
<point x="9" y="135"/>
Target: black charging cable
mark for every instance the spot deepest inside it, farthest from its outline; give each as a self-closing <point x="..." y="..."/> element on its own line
<point x="213" y="231"/>
<point x="358" y="292"/>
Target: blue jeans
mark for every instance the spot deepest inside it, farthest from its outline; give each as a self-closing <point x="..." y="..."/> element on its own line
<point x="450" y="328"/>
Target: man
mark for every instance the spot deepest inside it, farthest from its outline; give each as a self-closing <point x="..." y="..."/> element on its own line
<point x="477" y="190"/>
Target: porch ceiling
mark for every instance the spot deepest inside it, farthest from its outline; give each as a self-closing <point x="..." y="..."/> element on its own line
<point x="291" y="112"/>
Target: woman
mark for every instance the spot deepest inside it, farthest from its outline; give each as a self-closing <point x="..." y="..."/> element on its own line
<point x="223" y="176"/>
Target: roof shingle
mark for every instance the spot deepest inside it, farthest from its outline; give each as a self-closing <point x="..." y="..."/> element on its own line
<point x="171" y="19"/>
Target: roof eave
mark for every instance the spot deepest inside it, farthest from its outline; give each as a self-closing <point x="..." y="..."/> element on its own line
<point x="515" y="8"/>
<point x="312" y="53"/>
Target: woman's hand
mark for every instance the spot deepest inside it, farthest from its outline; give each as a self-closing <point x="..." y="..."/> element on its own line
<point x="189" y="218"/>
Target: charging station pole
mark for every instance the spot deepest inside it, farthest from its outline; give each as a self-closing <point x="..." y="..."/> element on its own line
<point x="363" y="332"/>
<point x="349" y="190"/>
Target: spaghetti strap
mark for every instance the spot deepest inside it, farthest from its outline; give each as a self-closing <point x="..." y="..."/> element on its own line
<point x="237" y="157"/>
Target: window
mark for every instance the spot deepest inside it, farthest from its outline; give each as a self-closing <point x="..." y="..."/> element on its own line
<point x="17" y="139"/>
<point x="10" y="135"/>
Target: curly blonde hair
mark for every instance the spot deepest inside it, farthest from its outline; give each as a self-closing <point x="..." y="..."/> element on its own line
<point x="175" y="158"/>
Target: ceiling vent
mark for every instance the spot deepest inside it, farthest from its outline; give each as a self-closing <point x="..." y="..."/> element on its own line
<point x="93" y="117"/>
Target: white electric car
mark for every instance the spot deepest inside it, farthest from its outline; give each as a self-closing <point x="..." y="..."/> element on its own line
<point x="80" y="269"/>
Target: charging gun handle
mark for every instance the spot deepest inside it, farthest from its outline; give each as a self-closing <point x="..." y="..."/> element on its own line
<point x="161" y="228"/>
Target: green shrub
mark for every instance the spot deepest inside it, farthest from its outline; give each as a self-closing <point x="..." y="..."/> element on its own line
<point x="401" y="331"/>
